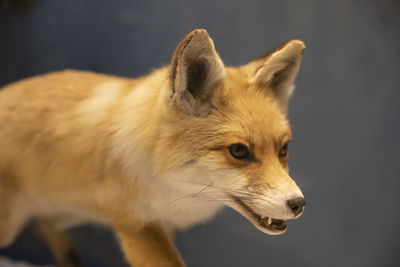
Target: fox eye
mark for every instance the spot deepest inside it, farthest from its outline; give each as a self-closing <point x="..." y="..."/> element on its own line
<point x="284" y="150"/>
<point x="239" y="151"/>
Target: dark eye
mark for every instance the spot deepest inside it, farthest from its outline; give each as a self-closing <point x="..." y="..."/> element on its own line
<point x="239" y="151"/>
<point x="284" y="150"/>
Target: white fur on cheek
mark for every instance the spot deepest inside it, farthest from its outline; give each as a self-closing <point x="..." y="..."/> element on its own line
<point x="188" y="194"/>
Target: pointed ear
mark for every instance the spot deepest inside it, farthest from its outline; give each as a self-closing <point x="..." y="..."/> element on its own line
<point x="278" y="69"/>
<point x="196" y="70"/>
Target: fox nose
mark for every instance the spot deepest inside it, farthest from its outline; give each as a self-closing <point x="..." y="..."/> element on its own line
<point x="296" y="205"/>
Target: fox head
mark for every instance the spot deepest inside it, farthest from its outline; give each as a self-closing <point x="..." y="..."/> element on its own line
<point x="225" y="131"/>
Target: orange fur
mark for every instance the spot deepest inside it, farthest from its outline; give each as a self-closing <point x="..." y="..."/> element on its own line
<point x="84" y="147"/>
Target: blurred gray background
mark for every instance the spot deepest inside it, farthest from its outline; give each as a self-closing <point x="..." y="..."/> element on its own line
<point x="345" y="114"/>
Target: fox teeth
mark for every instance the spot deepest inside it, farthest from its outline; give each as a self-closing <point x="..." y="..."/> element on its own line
<point x="266" y="220"/>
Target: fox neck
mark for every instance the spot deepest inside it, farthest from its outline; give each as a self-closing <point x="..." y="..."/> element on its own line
<point x="139" y="122"/>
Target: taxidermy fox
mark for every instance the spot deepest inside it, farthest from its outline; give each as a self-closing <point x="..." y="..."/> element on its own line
<point x="151" y="155"/>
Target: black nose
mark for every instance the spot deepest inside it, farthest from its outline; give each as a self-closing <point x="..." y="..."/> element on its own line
<point x="296" y="205"/>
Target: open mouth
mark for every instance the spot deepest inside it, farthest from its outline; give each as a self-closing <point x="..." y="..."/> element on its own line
<point x="265" y="224"/>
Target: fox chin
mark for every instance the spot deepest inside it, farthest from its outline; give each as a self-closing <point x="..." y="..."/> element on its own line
<point x="151" y="155"/>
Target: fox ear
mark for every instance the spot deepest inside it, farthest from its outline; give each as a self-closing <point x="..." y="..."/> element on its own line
<point x="278" y="69"/>
<point x="196" y="70"/>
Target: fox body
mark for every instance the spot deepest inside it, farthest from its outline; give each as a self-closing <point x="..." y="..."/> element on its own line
<point x="150" y="155"/>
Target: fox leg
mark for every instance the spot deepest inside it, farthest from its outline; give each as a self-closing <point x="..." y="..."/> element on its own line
<point x="60" y="244"/>
<point x="5" y="225"/>
<point x="8" y="229"/>
<point x="148" y="246"/>
<point x="13" y="214"/>
<point x="171" y="234"/>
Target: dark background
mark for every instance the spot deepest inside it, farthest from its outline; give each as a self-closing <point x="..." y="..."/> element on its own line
<point x="345" y="114"/>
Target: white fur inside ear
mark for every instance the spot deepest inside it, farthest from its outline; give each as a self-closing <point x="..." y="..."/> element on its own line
<point x="199" y="53"/>
<point x="280" y="69"/>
